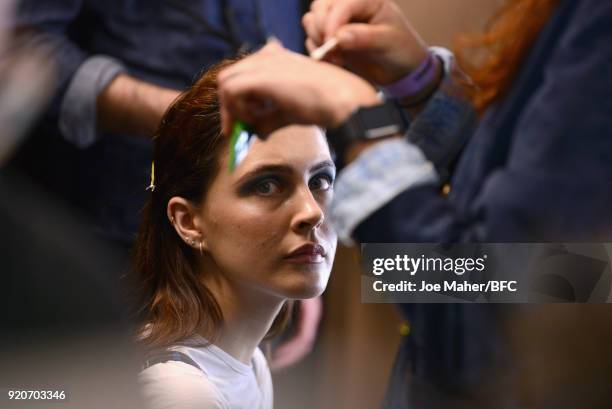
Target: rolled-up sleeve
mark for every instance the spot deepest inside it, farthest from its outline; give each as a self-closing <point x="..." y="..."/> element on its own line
<point x="448" y="120"/>
<point x="77" y="116"/>
<point x="45" y="24"/>
<point x="382" y="172"/>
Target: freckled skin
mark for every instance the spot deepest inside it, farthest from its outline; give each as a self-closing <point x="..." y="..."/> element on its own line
<point x="248" y="235"/>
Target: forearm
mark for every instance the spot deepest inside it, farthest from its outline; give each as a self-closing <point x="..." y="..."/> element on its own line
<point x="128" y="105"/>
<point x="443" y="124"/>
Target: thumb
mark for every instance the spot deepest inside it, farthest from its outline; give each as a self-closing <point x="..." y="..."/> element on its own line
<point x="364" y="37"/>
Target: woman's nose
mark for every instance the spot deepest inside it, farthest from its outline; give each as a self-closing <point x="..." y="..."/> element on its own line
<point x="309" y="214"/>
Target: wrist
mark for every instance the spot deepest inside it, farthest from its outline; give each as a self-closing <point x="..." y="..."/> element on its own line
<point x="364" y="127"/>
<point x="416" y="103"/>
<point x="349" y="99"/>
<point x="418" y="84"/>
<point x="355" y="149"/>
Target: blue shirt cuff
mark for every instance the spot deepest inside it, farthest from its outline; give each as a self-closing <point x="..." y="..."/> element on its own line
<point x="77" y="119"/>
<point x="378" y="175"/>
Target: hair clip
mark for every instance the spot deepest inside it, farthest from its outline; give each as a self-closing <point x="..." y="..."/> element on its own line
<point x="151" y="187"/>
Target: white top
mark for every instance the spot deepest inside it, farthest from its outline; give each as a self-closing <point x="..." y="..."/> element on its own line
<point x="223" y="383"/>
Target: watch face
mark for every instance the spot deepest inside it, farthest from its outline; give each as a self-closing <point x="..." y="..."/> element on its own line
<point x="382" y="132"/>
<point x="374" y="122"/>
<point x="380" y="121"/>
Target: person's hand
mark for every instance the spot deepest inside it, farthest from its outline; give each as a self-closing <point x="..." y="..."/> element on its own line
<point x="276" y="87"/>
<point x="375" y="39"/>
<point x="301" y="343"/>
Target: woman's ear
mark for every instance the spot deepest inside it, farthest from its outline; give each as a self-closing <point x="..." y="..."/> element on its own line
<point x="184" y="216"/>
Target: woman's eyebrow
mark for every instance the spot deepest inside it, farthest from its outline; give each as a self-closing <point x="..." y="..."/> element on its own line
<point x="264" y="169"/>
<point x="324" y="164"/>
<point x="286" y="169"/>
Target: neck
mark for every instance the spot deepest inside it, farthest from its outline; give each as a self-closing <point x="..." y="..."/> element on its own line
<point x="248" y="315"/>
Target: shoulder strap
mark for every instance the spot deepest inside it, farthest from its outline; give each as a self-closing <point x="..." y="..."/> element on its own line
<point x="166" y="356"/>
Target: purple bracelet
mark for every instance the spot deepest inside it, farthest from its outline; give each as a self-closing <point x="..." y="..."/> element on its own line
<point x="415" y="82"/>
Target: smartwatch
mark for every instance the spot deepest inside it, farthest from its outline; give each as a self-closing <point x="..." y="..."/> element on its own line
<point x="367" y="123"/>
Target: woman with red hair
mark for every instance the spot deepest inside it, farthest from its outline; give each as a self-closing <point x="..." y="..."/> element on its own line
<point x="220" y="252"/>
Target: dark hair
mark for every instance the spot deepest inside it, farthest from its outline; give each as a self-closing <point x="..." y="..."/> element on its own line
<point x="174" y="302"/>
<point x="493" y="58"/>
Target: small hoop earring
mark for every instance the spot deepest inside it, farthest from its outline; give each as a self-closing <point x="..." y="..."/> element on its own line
<point x="201" y="251"/>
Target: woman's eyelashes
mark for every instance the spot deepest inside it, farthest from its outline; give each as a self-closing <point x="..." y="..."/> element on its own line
<point x="273" y="185"/>
<point x="323" y="181"/>
<point x="263" y="185"/>
<point x="268" y="187"/>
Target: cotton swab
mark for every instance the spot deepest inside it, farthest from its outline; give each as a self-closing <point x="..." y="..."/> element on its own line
<point x="322" y="51"/>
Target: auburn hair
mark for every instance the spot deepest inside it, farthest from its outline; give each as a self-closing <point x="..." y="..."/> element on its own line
<point x="173" y="301"/>
<point x="492" y="59"/>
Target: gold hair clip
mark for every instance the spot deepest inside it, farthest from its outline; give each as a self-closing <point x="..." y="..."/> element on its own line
<point x="152" y="185"/>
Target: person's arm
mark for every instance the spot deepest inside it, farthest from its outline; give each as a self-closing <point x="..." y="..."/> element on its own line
<point x="555" y="183"/>
<point x="275" y="87"/>
<point x="88" y="85"/>
<point x="132" y="106"/>
<point x="368" y="34"/>
<point x="558" y="167"/>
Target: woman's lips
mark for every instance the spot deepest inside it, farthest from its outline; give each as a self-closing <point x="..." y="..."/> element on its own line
<point x="307" y="254"/>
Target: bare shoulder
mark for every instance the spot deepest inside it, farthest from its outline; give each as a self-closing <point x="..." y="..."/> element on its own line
<point x="174" y="385"/>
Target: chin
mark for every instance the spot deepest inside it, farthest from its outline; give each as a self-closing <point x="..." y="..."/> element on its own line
<point x="307" y="292"/>
<point x="304" y="285"/>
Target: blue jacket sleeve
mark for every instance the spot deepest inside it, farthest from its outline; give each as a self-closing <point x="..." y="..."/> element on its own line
<point x="81" y="77"/>
<point x="46" y="23"/>
<point x="555" y="182"/>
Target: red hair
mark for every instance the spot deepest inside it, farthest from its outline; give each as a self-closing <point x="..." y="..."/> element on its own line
<point x="493" y="58"/>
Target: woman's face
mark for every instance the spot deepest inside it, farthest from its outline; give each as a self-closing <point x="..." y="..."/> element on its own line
<point x="265" y="224"/>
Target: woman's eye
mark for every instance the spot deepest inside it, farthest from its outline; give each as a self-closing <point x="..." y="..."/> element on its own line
<point x="321" y="182"/>
<point x="267" y="187"/>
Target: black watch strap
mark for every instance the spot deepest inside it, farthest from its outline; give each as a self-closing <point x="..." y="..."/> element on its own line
<point x="367" y="123"/>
